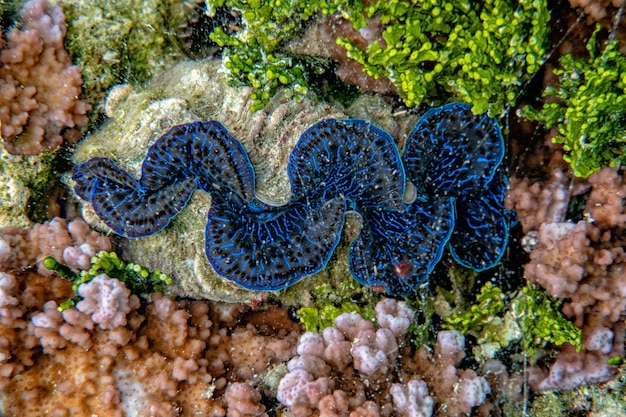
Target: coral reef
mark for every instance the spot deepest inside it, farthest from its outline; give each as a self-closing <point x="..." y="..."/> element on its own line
<point x="113" y="354"/>
<point x="116" y="355"/>
<point x="320" y="40"/>
<point x="39" y="86"/>
<point x="539" y="202"/>
<point x="73" y="242"/>
<point x="583" y="263"/>
<point x="120" y="349"/>
<point x="165" y="358"/>
<point x="353" y="368"/>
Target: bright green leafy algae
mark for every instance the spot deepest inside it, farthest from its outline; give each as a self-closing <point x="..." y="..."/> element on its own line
<point x="533" y="319"/>
<point x="330" y="302"/>
<point x="252" y="55"/>
<point x="542" y="321"/>
<point x="138" y="279"/>
<point x="590" y="110"/>
<point x="490" y="302"/>
<point x="481" y="53"/>
<point x="477" y="52"/>
<point x="316" y="319"/>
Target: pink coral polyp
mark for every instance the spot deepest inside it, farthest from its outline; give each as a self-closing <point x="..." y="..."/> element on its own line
<point x="39" y="86"/>
<point x="107" y="300"/>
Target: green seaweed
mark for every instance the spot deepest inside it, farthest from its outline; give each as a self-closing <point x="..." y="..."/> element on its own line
<point x="138" y="279"/>
<point x="532" y="318"/>
<point x="348" y="297"/>
<point x="589" y="108"/>
<point x="481" y="53"/>
<point x="490" y="302"/>
<point x="477" y="52"/>
<point x="316" y="319"/>
<point x="252" y="54"/>
<point x="542" y="322"/>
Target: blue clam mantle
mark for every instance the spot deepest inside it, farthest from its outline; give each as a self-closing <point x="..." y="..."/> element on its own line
<point x="452" y="158"/>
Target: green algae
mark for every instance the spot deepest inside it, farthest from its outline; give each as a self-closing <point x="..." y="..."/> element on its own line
<point x="530" y="318"/>
<point x="481" y="53"/>
<point x="138" y="279"/>
<point x="331" y="301"/>
<point x="252" y="54"/>
<point x="588" y="108"/>
<point x="435" y="51"/>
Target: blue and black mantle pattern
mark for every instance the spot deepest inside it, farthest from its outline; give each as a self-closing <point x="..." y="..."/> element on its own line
<point x="452" y="160"/>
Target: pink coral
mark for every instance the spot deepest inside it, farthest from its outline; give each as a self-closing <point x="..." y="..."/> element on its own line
<point x="107" y="300"/>
<point x="596" y="9"/>
<point x="395" y="316"/>
<point x="243" y="401"/>
<point x="539" y="202"/>
<point x="72" y="244"/>
<point x="456" y="391"/>
<point x="164" y="358"/>
<point x="336" y="373"/>
<point x="412" y="399"/>
<point x="120" y="355"/>
<point x="39" y="86"/>
<point x="374" y="352"/>
<point x="571" y="369"/>
<point x="584" y="263"/>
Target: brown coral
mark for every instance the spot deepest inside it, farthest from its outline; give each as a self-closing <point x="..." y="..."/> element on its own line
<point x="39" y="86"/>
<point x="71" y="243"/>
<point x="169" y="358"/>
<point x="585" y="263"/>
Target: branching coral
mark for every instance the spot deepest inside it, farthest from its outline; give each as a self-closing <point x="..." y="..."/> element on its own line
<point x="588" y="108"/>
<point x="164" y="358"/>
<point x="72" y="242"/>
<point x="39" y="86"/>
<point x="583" y="263"/>
<point x="352" y="367"/>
